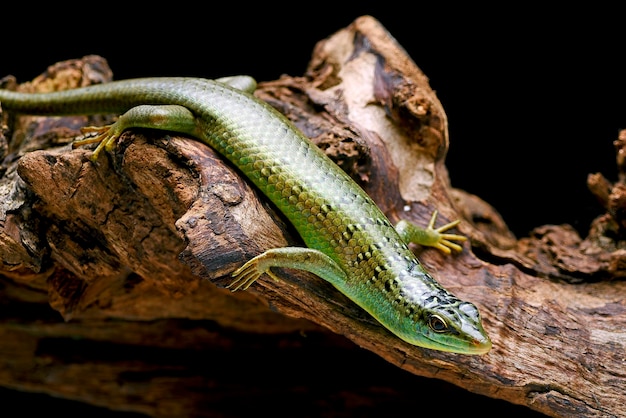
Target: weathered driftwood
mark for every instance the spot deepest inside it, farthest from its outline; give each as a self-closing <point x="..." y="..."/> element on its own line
<point x="127" y="248"/>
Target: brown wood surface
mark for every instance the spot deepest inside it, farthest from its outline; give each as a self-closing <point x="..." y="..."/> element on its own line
<point x="112" y="277"/>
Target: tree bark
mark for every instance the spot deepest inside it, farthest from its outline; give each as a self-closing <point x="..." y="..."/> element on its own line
<point x="134" y="251"/>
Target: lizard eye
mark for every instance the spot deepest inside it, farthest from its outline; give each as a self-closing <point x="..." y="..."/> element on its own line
<point x="437" y="323"/>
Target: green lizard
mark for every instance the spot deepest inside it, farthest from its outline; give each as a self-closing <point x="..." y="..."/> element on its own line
<point x="349" y="241"/>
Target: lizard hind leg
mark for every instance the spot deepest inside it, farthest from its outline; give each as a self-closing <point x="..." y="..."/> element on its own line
<point x="104" y="136"/>
<point x="173" y="118"/>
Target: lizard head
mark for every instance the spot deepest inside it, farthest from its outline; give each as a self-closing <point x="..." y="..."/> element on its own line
<point x="450" y="324"/>
<point x="438" y="320"/>
<point x="419" y="311"/>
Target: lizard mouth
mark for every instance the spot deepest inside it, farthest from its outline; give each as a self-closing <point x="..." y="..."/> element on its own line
<point x="473" y="346"/>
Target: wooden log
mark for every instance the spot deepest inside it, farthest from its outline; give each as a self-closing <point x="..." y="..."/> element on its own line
<point x="132" y="250"/>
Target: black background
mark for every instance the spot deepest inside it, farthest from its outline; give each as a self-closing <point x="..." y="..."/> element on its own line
<point x="534" y="97"/>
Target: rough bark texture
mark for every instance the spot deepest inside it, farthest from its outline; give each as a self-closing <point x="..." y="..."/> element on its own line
<point x="132" y="254"/>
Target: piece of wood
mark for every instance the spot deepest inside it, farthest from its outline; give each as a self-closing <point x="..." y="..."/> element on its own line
<point x="127" y="248"/>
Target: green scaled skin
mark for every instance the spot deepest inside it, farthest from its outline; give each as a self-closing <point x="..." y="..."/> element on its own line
<point x="349" y="241"/>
